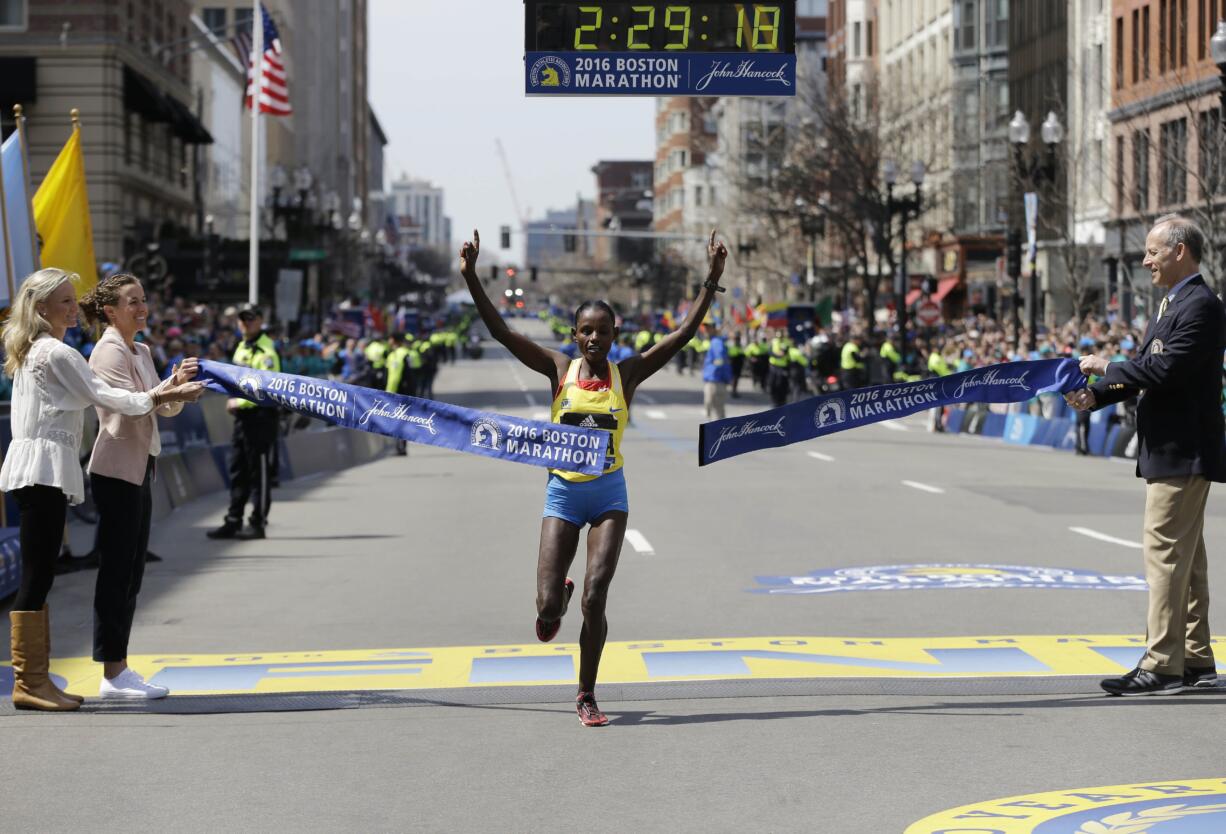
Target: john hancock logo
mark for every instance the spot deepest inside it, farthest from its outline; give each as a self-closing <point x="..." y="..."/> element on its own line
<point x="486" y="434"/>
<point x="744" y="430"/>
<point x="250" y="386"/>
<point x="550" y="71"/>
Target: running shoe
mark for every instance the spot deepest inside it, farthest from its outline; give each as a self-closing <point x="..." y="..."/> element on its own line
<point x="589" y="714"/>
<point x="547" y="631"/>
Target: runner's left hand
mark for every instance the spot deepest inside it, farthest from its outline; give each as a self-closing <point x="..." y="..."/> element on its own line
<point x="717" y="252"/>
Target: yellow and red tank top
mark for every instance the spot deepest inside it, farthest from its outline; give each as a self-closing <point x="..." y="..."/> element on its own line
<point x="593" y="404"/>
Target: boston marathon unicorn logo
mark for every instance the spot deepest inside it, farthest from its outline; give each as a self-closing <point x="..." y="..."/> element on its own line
<point x="550" y="71"/>
<point x="486" y="434"/>
<point x="250" y="385"/>
<point x="830" y="413"/>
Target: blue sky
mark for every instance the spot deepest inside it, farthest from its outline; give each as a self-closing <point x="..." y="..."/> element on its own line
<point x="446" y="80"/>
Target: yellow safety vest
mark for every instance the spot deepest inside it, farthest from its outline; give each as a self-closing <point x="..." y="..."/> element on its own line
<point x="261" y="355"/>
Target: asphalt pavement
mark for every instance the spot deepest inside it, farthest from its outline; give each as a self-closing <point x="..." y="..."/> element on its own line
<point x="414" y="560"/>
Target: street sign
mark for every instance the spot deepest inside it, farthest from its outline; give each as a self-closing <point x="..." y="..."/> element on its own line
<point x="659" y="48"/>
<point x="928" y="313"/>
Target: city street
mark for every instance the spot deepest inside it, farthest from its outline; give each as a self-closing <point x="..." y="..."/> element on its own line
<point x="375" y="634"/>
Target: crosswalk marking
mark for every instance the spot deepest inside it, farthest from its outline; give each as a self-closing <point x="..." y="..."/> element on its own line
<point x="639" y="542"/>
<point x="924" y="487"/>
<point x="820" y="456"/>
<point x="1103" y="537"/>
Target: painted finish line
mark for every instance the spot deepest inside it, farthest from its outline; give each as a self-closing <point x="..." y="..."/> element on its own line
<point x="1176" y="806"/>
<point x="777" y="658"/>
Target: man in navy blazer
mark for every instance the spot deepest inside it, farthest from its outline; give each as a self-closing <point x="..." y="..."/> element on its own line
<point x="1177" y="373"/>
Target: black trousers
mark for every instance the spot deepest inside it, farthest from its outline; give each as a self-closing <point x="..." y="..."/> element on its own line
<point x="42" y="512"/>
<point x="255" y="435"/>
<point x="124" y="513"/>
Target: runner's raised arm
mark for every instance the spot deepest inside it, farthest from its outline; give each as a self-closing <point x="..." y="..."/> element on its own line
<point x="540" y="359"/>
<point x="638" y="368"/>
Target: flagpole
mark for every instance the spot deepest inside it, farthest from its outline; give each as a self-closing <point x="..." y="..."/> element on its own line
<point x="8" y="246"/>
<point x="257" y="63"/>
<point x="19" y="115"/>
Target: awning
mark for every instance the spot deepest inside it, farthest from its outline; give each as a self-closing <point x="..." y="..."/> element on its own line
<point x="186" y="125"/>
<point x="18" y="82"/>
<point x="913" y="297"/>
<point x="140" y="95"/>
<point x="944" y="287"/>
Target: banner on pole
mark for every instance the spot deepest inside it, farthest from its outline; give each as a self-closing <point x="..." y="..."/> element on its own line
<point x="818" y="416"/>
<point x="421" y="421"/>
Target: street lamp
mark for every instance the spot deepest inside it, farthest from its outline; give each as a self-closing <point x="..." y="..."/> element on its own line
<point x="905" y="208"/>
<point x="1032" y="172"/>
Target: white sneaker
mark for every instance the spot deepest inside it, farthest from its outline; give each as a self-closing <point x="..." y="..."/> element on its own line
<point x="131" y="686"/>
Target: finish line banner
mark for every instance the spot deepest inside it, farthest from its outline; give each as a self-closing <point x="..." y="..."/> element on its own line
<point x="420" y="421"/>
<point x="1010" y="382"/>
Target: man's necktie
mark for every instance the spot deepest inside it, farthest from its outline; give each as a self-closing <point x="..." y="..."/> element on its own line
<point x="1162" y="307"/>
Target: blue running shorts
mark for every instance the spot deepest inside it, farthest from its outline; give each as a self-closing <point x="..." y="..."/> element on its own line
<point x="582" y="502"/>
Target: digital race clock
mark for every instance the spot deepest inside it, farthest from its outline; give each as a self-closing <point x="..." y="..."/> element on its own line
<point x="573" y="47"/>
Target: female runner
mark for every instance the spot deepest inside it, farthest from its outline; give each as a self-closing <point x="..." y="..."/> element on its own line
<point x="589" y="391"/>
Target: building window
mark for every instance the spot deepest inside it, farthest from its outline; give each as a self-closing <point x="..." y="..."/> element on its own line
<point x="14" y="15"/>
<point x="215" y="20"/>
<point x="1162" y="37"/>
<point x="868" y="38"/>
<point x="1174" y="190"/>
<point x="1136" y="46"/>
<point x="1119" y="172"/>
<point x="1183" y="33"/>
<point x="242" y="21"/>
<point x="1119" y="53"/>
<point x="1209" y="149"/>
<point x="968" y="25"/>
<point x="855" y="39"/>
<point x="1145" y="43"/>
<point x="1140" y="170"/>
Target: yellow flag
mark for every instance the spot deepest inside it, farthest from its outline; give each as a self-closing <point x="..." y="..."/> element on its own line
<point x="61" y="213"/>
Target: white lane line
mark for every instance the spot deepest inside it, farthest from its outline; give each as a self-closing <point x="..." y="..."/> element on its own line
<point x="924" y="487"/>
<point x="531" y="400"/>
<point x="1103" y="537"/>
<point x="893" y="425"/>
<point x="647" y="398"/>
<point x="639" y="542"/>
<point x="820" y="456"/>
<point x="655" y="414"/>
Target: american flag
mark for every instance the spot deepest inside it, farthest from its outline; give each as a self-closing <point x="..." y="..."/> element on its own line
<point x="274" y="86"/>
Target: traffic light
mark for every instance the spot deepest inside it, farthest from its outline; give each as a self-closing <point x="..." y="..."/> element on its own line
<point x="510" y="273"/>
<point x="534" y="273"/>
<point x="1013" y="252"/>
<point x="568" y="243"/>
<point x="506" y="237"/>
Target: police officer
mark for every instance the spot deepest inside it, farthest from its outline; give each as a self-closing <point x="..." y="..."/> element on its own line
<point x="778" y="361"/>
<point x="399" y="376"/>
<point x="850" y="364"/>
<point x="376" y="355"/>
<point x="255" y="436"/>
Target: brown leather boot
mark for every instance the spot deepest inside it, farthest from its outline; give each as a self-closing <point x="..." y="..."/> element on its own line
<point x="32" y="687"/>
<point x="46" y="613"/>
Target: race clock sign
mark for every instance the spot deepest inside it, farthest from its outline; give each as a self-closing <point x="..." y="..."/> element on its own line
<point x="660" y="48"/>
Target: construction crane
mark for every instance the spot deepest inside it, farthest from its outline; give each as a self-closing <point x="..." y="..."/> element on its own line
<point x="506" y="170"/>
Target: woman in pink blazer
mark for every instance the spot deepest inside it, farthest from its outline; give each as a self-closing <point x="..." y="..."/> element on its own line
<point x="120" y="474"/>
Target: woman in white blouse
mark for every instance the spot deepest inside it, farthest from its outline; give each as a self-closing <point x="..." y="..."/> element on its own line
<point x="121" y="472"/>
<point x="52" y="387"/>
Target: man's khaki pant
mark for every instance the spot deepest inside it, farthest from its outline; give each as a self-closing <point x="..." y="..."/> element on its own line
<point x="1177" y="573"/>
<point x="714" y="399"/>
